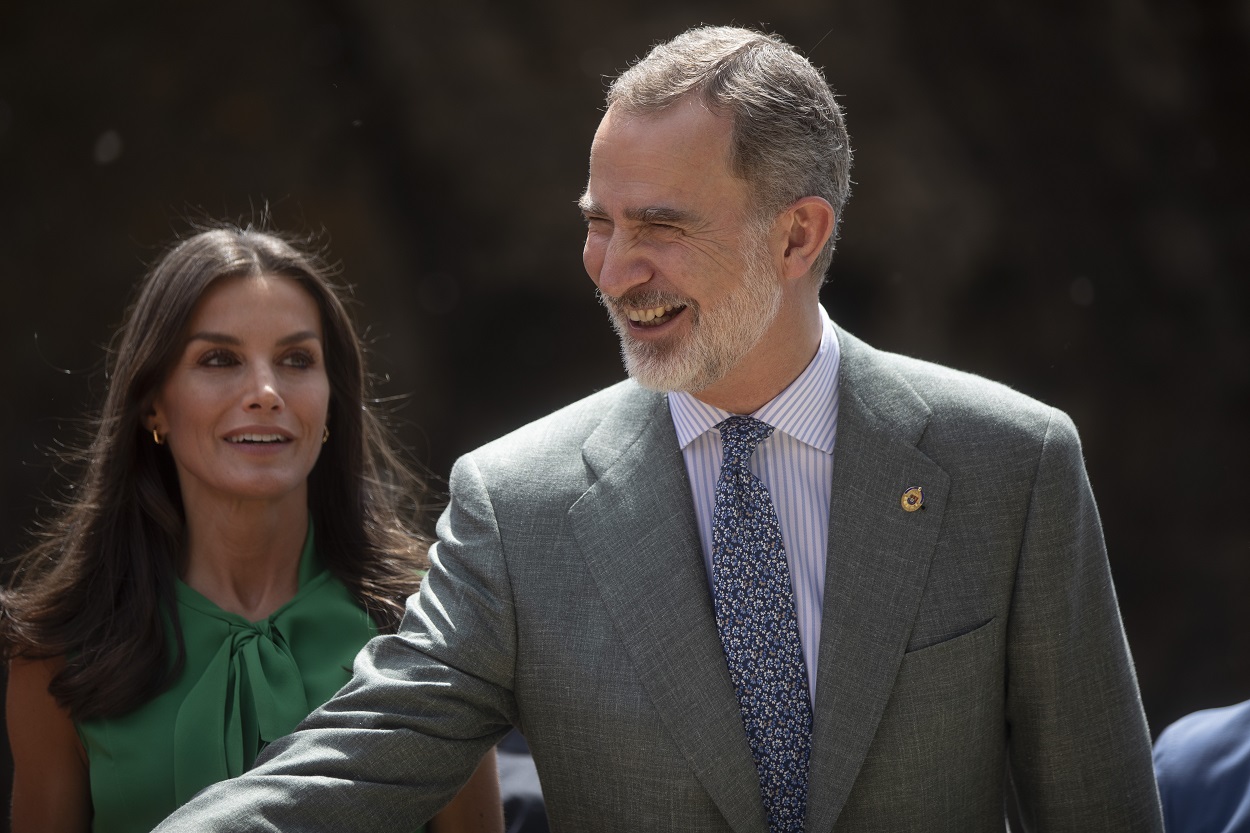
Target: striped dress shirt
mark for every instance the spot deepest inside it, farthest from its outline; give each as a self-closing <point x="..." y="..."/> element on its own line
<point x="795" y="465"/>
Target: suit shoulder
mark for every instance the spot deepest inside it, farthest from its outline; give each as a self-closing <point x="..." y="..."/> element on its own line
<point x="967" y="403"/>
<point x="558" y="436"/>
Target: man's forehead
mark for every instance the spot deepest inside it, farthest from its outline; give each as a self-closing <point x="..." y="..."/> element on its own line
<point x="688" y="115"/>
<point x="667" y="167"/>
<point x="675" y="143"/>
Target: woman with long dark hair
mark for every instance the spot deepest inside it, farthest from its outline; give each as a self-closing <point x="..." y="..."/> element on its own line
<point x="242" y="527"/>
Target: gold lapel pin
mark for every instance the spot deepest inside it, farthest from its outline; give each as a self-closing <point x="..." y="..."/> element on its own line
<point x="913" y="499"/>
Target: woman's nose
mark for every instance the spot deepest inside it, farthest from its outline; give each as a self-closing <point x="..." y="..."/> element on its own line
<point x="264" y="393"/>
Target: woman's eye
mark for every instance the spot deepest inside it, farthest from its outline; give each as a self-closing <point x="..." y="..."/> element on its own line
<point x="299" y="358"/>
<point x="217" y="358"/>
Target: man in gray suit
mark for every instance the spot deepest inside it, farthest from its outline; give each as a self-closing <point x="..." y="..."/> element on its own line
<point x="941" y="624"/>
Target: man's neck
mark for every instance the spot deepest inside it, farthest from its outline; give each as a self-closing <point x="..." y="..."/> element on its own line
<point x="784" y="352"/>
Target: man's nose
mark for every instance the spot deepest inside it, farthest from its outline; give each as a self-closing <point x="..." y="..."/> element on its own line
<point x="617" y="265"/>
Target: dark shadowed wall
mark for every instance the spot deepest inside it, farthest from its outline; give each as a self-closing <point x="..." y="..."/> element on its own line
<point x="1049" y="194"/>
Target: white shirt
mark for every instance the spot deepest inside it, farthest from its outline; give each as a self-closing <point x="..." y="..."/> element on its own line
<point x="796" y="466"/>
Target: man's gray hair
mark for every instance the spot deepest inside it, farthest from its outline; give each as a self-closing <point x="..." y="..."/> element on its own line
<point x="789" y="137"/>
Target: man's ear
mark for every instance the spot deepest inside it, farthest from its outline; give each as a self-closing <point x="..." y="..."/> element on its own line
<point x="806" y="226"/>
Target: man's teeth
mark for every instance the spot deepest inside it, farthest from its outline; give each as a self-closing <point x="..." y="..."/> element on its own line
<point x="653" y="315"/>
<point x="257" y="438"/>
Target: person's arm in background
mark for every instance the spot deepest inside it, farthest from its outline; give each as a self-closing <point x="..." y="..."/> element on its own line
<point x="477" y="808"/>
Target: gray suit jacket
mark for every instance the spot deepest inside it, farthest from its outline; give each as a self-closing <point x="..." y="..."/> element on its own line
<point x="568" y="596"/>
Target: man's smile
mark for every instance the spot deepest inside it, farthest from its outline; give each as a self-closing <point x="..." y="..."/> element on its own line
<point x="654" y="316"/>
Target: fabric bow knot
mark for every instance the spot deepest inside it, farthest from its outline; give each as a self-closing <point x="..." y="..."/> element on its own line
<point x="255" y="676"/>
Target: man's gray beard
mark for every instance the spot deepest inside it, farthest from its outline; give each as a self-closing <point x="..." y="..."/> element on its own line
<point x="719" y="336"/>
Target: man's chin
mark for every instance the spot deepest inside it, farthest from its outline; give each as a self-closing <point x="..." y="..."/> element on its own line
<point x="663" y="375"/>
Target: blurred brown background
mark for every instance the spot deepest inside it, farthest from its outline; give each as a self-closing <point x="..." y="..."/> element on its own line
<point x="1050" y="194"/>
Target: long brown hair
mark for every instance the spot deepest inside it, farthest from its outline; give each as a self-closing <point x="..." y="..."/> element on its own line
<point x="97" y="585"/>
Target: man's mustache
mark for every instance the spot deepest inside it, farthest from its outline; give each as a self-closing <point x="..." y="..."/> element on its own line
<point x="642" y="299"/>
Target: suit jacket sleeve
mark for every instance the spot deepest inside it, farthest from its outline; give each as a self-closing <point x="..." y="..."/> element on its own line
<point x="1080" y="751"/>
<point x="423" y="706"/>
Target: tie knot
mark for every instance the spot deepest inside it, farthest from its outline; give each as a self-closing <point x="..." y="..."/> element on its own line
<point x="741" y="435"/>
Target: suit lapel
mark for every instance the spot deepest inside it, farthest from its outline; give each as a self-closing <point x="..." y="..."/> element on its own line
<point x="879" y="558"/>
<point x="637" y="530"/>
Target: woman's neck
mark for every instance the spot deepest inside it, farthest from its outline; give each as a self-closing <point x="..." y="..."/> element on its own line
<point x="245" y="557"/>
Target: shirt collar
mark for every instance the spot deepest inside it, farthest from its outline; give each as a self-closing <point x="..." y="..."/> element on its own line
<point x="804" y="410"/>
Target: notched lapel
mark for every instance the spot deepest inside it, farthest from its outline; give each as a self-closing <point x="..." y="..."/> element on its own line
<point x="879" y="557"/>
<point x="637" y="530"/>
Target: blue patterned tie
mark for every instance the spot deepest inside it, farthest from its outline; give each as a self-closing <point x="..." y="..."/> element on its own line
<point x="759" y="628"/>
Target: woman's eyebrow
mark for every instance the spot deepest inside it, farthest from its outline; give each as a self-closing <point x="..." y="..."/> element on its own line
<point x="225" y="338"/>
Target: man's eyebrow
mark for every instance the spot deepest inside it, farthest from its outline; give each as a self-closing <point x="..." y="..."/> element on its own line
<point x="659" y="214"/>
<point x="649" y="214"/>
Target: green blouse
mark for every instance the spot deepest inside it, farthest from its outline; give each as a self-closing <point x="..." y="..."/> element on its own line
<point x="244" y="684"/>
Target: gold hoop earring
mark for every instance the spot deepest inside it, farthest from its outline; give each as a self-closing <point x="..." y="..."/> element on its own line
<point x="156" y="437"/>
<point x="325" y="434"/>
